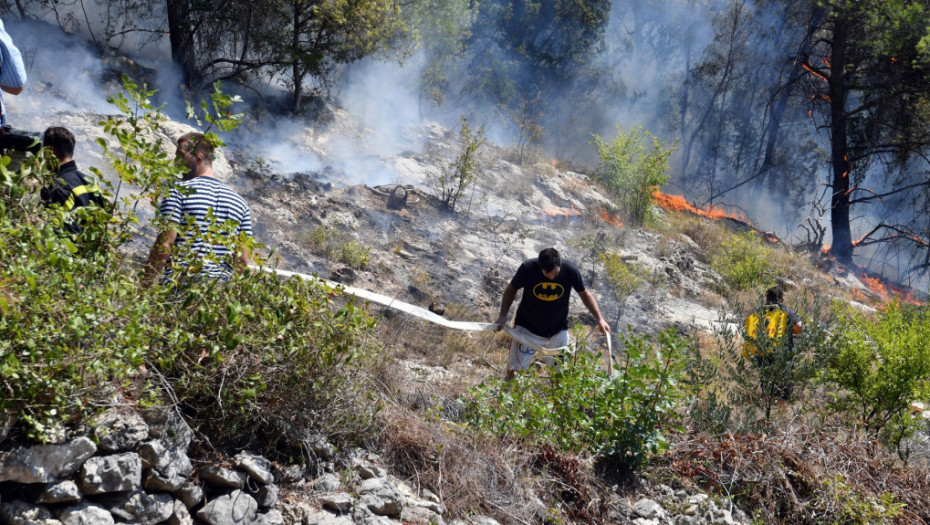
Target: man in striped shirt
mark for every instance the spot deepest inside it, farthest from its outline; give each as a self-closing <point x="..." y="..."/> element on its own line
<point x="189" y="208"/>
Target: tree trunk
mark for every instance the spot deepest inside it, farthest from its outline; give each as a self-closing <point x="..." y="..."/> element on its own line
<point x="296" y="74"/>
<point x="182" y="37"/>
<point x="842" y="247"/>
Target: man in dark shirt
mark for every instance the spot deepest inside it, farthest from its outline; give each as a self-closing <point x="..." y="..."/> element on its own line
<point x="71" y="188"/>
<point x="542" y="316"/>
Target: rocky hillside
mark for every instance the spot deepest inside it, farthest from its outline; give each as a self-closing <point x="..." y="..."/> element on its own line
<point x="398" y="240"/>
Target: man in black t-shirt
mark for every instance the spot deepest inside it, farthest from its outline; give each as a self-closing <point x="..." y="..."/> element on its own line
<point x="542" y="316"/>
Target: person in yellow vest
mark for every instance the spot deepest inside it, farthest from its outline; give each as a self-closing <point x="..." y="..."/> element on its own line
<point x="769" y="342"/>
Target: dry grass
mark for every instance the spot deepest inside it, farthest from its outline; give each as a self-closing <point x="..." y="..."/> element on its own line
<point x="792" y="477"/>
<point x="470" y="475"/>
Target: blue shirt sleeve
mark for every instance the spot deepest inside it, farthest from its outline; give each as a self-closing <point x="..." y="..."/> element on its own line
<point x="12" y="69"/>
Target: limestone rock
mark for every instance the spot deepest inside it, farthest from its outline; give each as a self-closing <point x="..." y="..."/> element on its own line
<point x="142" y="508"/>
<point x="180" y="515"/>
<point x="257" y="467"/>
<point x="118" y="430"/>
<point x="380" y="497"/>
<point x="61" y="492"/>
<point x="45" y="463"/>
<point x="116" y="473"/>
<point x="236" y="508"/>
<point x="337" y="502"/>
<point x="326" y="483"/>
<point x="19" y="512"/>
<point x="190" y="494"/>
<point x="86" y="514"/>
<point x="223" y="477"/>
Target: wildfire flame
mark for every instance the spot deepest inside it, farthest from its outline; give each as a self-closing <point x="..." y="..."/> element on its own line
<point x="560" y="212"/>
<point x="876" y="286"/>
<point x="678" y="203"/>
<point x="605" y="216"/>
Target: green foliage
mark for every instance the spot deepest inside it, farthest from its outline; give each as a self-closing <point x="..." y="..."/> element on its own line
<point x="880" y="367"/>
<point x="743" y="262"/>
<point x="455" y="178"/>
<point x="854" y="508"/>
<point x="579" y="408"/>
<point x="248" y="360"/>
<point x="625" y="278"/>
<point x="338" y="246"/>
<point x="632" y="169"/>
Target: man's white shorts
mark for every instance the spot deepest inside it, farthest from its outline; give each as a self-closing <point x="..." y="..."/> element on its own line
<point x="521" y="356"/>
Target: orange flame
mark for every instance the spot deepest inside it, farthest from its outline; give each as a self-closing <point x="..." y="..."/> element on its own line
<point x="876" y="286"/>
<point x="560" y="212"/>
<point x="814" y="72"/>
<point x="678" y="203"/>
<point x="554" y="162"/>
<point x="605" y="216"/>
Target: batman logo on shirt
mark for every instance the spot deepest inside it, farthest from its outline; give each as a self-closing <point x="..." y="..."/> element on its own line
<point x="548" y="291"/>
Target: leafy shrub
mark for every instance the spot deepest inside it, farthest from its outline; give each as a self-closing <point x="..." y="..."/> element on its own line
<point x="743" y="263"/>
<point x="455" y="178"/>
<point x="579" y="408"/>
<point x="880" y="367"/>
<point x="625" y="278"/>
<point x="632" y="170"/>
<point x="252" y="360"/>
<point x="338" y="246"/>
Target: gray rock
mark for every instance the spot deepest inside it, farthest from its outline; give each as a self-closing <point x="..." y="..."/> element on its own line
<point x="420" y="516"/>
<point x="649" y="509"/>
<point x="118" y="430"/>
<point x="236" y="508"/>
<point x="116" y="473"/>
<point x="337" y="502"/>
<point x="380" y="497"/>
<point x="180" y="515"/>
<point x="61" y="492"/>
<point x="273" y="517"/>
<point x="171" y="469"/>
<point x="320" y="446"/>
<point x="45" y="463"/>
<point x="190" y="494"/>
<point x="150" y="452"/>
<point x="257" y="467"/>
<point x="267" y="496"/>
<point x="86" y="514"/>
<point x="168" y="427"/>
<point x="368" y="471"/>
<point x="19" y="512"/>
<point x="326" y="483"/>
<point x="297" y="514"/>
<point x="141" y="508"/>
<point x="223" y="477"/>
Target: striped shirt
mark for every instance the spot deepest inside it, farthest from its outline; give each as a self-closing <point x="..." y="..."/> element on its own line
<point x="201" y="194"/>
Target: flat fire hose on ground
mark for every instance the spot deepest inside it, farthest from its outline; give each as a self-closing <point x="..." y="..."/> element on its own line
<point x="426" y="315"/>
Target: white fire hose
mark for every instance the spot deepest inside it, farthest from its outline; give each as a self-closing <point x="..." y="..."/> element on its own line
<point x="426" y="315"/>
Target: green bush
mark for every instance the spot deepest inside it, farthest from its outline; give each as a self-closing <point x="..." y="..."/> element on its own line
<point x="579" y="408"/>
<point x="743" y="262"/>
<point x="625" y="278"/>
<point x="338" y="246"/>
<point x="249" y="361"/>
<point x="880" y="367"/>
<point x="632" y="170"/>
<point x="455" y="178"/>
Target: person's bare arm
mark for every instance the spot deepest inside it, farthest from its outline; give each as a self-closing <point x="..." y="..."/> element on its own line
<point x="158" y="256"/>
<point x="506" y="302"/>
<point x="591" y="304"/>
<point x="243" y="260"/>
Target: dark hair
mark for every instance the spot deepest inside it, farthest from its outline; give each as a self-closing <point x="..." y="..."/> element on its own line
<point x="549" y="259"/>
<point x="774" y="295"/>
<point x="60" y="140"/>
<point x="200" y="145"/>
